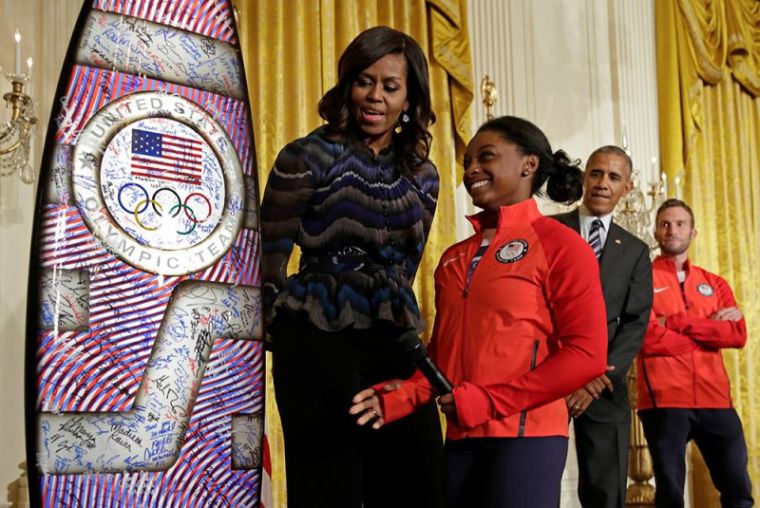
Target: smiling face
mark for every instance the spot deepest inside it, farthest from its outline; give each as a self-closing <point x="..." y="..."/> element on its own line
<point x="607" y="179"/>
<point x="674" y="231"/>
<point x="378" y="96"/>
<point x="493" y="171"/>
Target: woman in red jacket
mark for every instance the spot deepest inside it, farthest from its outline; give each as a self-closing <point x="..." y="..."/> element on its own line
<point x="520" y="324"/>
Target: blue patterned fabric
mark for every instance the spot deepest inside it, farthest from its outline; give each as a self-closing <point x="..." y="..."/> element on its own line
<point x="476" y="259"/>
<point x="361" y="226"/>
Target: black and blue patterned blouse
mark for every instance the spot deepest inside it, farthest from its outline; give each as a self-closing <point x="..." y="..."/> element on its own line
<point x="361" y="226"/>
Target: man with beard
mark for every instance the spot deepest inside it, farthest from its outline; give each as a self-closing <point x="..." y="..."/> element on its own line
<point x="683" y="389"/>
<point x="601" y="411"/>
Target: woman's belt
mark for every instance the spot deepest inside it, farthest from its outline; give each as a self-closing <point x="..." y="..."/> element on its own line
<point x="350" y="254"/>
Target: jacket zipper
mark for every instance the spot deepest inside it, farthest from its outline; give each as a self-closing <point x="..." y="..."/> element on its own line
<point x="682" y="286"/>
<point x="524" y="412"/>
<point x="467" y="281"/>
<point x="464" y="296"/>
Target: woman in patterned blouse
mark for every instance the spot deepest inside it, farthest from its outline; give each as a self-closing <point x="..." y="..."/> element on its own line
<point x="357" y="195"/>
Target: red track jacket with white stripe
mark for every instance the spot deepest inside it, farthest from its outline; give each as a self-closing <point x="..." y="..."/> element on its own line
<point x="680" y="364"/>
<point x="528" y="329"/>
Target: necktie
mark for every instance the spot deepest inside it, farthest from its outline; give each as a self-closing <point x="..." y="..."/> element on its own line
<point x="594" y="238"/>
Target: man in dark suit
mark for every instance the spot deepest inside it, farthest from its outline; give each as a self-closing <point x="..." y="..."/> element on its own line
<point x="601" y="410"/>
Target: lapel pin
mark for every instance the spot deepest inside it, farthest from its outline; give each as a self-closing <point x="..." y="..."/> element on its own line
<point x="617" y="241"/>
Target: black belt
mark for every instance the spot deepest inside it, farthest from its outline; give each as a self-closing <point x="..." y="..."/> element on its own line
<point x="349" y="254"/>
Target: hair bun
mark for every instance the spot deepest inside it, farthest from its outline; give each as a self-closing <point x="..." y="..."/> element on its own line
<point x="561" y="158"/>
<point x="565" y="182"/>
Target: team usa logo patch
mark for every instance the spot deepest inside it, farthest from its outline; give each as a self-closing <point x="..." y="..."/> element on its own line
<point x="705" y="290"/>
<point x="162" y="183"/>
<point x="159" y="183"/>
<point x="512" y="251"/>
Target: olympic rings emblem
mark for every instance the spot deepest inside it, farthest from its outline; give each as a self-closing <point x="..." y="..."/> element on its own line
<point x="132" y="184"/>
<point x="187" y="209"/>
<point x="137" y="214"/>
<point x="142" y="205"/>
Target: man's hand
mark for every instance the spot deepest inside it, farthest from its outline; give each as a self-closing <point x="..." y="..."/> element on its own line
<point x="596" y="386"/>
<point x="728" y="314"/>
<point x="578" y="401"/>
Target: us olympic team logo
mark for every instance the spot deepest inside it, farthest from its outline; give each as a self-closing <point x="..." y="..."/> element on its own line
<point x="512" y="251"/>
<point x="159" y="183"/>
<point x="162" y="183"/>
<point x="705" y="289"/>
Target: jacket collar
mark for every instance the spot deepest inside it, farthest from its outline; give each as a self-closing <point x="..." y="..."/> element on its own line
<point x="668" y="263"/>
<point x="523" y="212"/>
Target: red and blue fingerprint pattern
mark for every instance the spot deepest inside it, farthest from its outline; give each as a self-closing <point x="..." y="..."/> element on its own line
<point x="212" y="18"/>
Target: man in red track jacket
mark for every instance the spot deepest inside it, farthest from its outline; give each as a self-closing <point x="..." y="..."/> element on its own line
<point x="683" y="388"/>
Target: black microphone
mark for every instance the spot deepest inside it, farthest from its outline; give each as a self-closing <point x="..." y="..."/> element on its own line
<point x="414" y="347"/>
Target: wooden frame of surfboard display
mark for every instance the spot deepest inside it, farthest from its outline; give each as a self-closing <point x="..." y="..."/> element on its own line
<point x="144" y="356"/>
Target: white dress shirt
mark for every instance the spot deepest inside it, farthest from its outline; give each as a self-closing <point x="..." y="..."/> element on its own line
<point x="586" y="218"/>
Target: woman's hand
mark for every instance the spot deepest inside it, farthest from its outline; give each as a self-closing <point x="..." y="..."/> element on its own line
<point x="367" y="406"/>
<point x="448" y="406"/>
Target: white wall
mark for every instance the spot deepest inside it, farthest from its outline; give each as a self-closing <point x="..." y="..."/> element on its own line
<point x="45" y="28"/>
<point x="582" y="70"/>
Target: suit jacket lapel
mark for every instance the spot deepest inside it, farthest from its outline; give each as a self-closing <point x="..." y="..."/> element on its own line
<point x="613" y="247"/>
<point x="574" y="220"/>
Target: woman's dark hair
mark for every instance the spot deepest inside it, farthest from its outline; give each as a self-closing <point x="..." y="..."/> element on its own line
<point x="413" y="141"/>
<point x="565" y="178"/>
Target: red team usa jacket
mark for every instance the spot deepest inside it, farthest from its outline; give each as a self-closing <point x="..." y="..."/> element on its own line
<point x="528" y="329"/>
<point x="680" y="364"/>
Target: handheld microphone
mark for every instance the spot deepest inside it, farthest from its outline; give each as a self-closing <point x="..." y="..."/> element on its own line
<point x="414" y="347"/>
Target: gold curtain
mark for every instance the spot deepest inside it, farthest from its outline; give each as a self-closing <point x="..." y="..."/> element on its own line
<point x="291" y="52"/>
<point x="708" y="64"/>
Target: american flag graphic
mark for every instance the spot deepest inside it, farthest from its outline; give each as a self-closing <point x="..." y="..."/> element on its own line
<point x="166" y="157"/>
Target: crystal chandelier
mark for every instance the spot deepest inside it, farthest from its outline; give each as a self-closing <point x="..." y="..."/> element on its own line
<point x="15" y="135"/>
<point x="635" y="212"/>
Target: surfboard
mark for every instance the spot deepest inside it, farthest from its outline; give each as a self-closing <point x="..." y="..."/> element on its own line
<point x="144" y="355"/>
